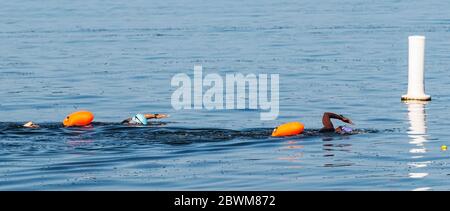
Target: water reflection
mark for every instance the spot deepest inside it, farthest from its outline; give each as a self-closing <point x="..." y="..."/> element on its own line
<point x="79" y="142"/>
<point x="330" y="148"/>
<point x="417" y="134"/>
<point x="296" y="156"/>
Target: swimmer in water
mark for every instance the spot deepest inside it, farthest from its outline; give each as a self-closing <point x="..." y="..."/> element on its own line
<point x="142" y="119"/>
<point x="30" y="125"/>
<point x="328" y="125"/>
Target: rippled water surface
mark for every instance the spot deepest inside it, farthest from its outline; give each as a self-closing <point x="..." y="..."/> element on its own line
<point x="117" y="59"/>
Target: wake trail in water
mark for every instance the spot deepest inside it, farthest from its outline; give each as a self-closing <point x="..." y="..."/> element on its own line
<point x="158" y="132"/>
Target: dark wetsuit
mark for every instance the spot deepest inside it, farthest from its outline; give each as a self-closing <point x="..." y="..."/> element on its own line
<point x="127" y="121"/>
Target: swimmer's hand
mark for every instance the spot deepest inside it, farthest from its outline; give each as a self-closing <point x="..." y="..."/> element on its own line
<point x="347" y="120"/>
<point x="160" y="116"/>
<point x="30" y="125"/>
<point x="156" y="116"/>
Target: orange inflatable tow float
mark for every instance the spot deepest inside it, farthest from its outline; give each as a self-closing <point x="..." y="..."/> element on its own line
<point x="79" y="118"/>
<point x="288" y="129"/>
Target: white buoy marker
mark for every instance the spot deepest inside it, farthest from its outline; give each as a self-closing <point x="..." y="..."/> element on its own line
<point x="416" y="64"/>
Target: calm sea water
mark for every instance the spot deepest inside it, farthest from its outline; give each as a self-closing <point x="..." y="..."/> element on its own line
<point x="117" y="59"/>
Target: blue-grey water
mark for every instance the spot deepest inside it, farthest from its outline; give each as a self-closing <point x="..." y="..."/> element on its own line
<point x="118" y="58"/>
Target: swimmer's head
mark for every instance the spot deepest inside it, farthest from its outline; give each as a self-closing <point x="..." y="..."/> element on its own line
<point x="139" y="119"/>
<point x="344" y="129"/>
<point x="30" y="125"/>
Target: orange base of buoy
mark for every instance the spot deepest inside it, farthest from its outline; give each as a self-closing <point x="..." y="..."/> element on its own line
<point x="79" y="118"/>
<point x="288" y="129"/>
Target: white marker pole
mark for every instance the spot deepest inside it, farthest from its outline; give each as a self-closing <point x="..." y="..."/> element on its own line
<point x="416" y="61"/>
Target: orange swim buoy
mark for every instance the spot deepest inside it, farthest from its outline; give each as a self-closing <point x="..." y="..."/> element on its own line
<point x="288" y="129"/>
<point x="79" y="118"/>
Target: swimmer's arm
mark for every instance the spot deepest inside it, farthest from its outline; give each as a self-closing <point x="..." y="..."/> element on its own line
<point x="326" y="120"/>
<point x="155" y="116"/>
